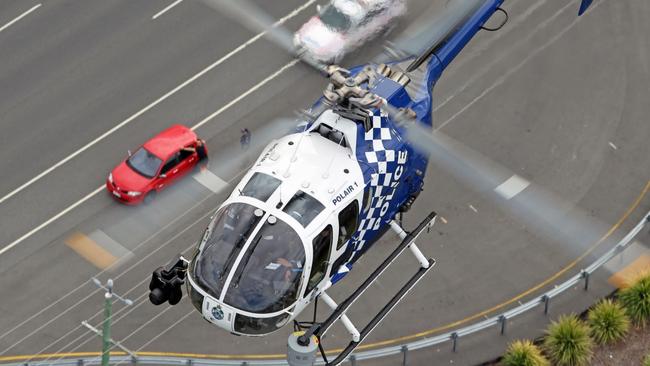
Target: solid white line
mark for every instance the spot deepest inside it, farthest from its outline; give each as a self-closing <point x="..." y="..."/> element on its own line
<point x="245" y="94"/>
<point x="156" y="102"/>
<point x="51" y="219"/>
<point x="20" y="17"/>
<point x="201" y="123"/>
<point x="165" y="9"/>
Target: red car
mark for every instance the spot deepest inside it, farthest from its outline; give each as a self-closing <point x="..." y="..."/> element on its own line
<point x="155" y="165"/>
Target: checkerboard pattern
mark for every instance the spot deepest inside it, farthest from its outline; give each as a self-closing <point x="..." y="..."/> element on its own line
<point x="380" y="158"/>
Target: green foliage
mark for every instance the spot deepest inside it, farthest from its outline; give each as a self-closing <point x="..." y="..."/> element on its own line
<point x="567" y="342"/>
<point x="646" y="360"/>
<point x="608" y="322"/>
<point x="523" y="353"/>
<point x="636" y="300"/>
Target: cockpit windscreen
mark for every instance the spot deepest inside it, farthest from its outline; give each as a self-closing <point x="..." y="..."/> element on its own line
<point x="303" y="208"/>
<point x="232" y="227"/>
<point x="269" y="274"/>
<point x="261" y="186"/>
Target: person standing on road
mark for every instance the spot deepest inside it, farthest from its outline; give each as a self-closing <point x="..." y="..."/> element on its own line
<point x="245" y="139"/>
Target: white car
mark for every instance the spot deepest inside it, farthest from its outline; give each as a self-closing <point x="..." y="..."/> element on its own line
<point x="344" y="25"/>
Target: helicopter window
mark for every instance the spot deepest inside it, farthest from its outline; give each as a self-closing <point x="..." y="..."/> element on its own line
<point x="331" y="134"/>
<point x="230" y="230"/>
<point x="348" y="223"/>
<point x="303" y="207"/>
<point x="249" y="325"/>
<point x="322" y="245"/>
<point x="269" y="274"/>
<point x="261" y="186"/>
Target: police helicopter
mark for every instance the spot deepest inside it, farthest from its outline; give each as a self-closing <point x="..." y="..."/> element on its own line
<point x="317" y="199"/>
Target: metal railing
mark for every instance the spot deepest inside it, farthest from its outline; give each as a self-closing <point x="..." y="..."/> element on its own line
<point x="500" y="320"/>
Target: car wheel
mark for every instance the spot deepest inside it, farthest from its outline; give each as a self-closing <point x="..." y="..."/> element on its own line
<point x="149" y="197"/>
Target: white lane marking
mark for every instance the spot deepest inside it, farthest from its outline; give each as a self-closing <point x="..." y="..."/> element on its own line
<point x="118" y="276"/>
<point x="20" y="17"/>
<point x="165" y="9"/>
<point x="487" y="44"/>
<point x="245" y="94"/>
<point x="111" y="245"/>
<point x="515" y="69"/>
<point x="201" y="123"/>
<point x="473" y="208"/>
<point x="210" y="180"/>
<point x="156" y="102"/>
<point x="51" y="219"/>
<point x="512" y="187"/>
<point x="613" y="146"/>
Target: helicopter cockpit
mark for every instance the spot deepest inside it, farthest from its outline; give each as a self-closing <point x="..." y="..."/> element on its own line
<point x="248" y="271"/>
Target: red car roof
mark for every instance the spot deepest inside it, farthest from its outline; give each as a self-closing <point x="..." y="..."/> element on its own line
<point x="170" y="141"/>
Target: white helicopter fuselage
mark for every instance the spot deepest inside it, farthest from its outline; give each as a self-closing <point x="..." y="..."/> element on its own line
<point x="323" y="165"/>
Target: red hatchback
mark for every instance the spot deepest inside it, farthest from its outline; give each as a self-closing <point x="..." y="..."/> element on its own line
<point x="155" y="165"/>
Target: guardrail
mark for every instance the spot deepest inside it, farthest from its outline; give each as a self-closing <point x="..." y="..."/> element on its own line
<point x="500" y="320"/>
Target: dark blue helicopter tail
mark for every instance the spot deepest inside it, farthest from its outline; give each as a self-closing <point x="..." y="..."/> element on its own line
<point x="442" y="54"/>
<point x="583" y="6"/>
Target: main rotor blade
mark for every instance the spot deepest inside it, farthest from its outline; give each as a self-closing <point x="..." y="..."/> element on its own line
<point x="430" y="31"/>
<point x="539" y="209"/>
<point x="257" y="20"/>
<point x="233" y="158"/>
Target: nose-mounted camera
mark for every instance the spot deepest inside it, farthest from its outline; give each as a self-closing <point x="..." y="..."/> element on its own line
<point x="166" y="284"/>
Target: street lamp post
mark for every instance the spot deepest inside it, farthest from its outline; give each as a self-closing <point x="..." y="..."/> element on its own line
<point x="107" y="342"/>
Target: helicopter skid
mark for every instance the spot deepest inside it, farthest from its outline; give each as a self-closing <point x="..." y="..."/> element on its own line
<point x="426" y="264"/>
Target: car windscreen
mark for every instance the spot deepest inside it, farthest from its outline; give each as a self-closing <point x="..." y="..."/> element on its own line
<point x="303" y="207"/>
<point x="333" y="18"/>
<point x="269" y="274"/>
<point x="261" y="186"/>
<point x="144" y="163"/>
<point x="224" y="240"/>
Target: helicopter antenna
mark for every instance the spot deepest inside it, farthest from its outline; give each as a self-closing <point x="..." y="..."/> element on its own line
<point x="295" y="151"/>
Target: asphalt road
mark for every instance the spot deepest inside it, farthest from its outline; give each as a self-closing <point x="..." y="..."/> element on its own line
<point x="560" y="101"/>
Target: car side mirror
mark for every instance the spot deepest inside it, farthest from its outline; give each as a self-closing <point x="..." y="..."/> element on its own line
<point x="163" y="175"/>
<point x="129" y="152"/>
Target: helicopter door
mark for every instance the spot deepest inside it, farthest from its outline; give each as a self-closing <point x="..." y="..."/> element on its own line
<point x="322" y="246"/>
<point x="348" y="224"/>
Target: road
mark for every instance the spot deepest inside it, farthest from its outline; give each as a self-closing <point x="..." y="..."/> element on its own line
<point x="558" y="100"/>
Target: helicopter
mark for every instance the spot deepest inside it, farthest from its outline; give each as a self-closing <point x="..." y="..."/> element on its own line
<point x="318" y="198"/>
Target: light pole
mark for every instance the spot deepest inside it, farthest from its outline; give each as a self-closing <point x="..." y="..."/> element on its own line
<point x="107" y="342"/>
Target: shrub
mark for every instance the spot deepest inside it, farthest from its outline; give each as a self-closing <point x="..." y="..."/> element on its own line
<point x="636" y="300"/>
<point x="646" y="360"/>
<point x="523" y="353"/>
<point x="608" y="322"/>
<point x="567" y="341"/>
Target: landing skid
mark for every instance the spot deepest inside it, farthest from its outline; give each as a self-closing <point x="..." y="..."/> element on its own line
<point x="303" y="345"/>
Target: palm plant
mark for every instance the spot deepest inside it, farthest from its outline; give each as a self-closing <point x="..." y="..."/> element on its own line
<point x="523" y="353"/>
<point x="636" y="300"/>
<point x="608" y="322"/>
<point x="567" y="342"/>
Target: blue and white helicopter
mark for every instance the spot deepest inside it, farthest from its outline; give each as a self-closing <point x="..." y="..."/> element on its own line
<point x="317" y="199"/>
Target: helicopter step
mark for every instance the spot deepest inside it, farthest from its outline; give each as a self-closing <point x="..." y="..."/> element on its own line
<point x="300" y="344"/>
